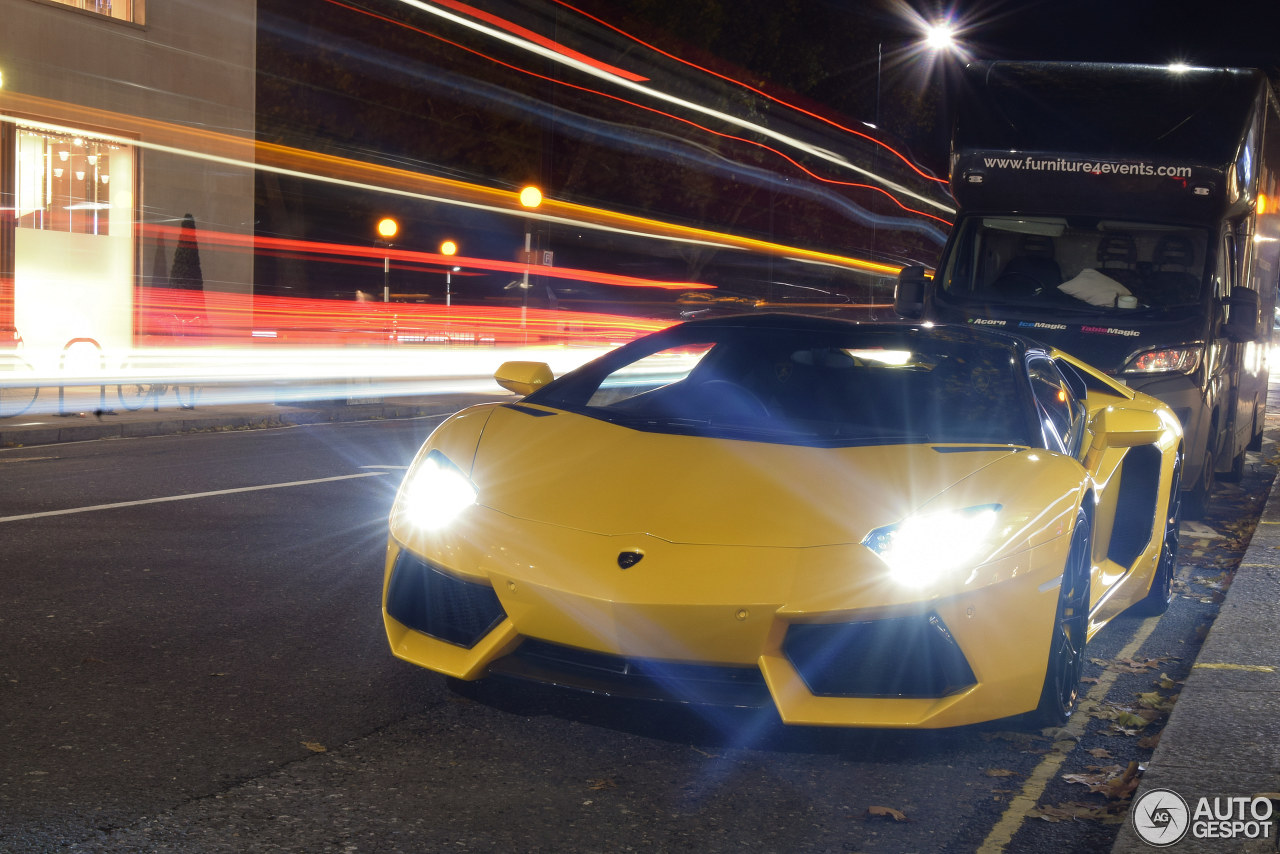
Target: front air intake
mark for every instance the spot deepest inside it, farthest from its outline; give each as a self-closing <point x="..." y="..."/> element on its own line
<point x="427" y="599"/>
<point x="900" y="657"/>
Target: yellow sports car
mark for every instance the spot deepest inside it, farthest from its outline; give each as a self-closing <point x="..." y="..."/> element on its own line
<point x="874" y="525"/>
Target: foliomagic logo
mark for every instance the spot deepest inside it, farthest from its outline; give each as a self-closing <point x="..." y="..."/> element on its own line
<point x="1161" y="818"/>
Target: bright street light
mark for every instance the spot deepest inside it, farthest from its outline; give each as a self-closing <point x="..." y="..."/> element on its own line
<point x="387" y="228"/>
<point x="448" y="248"/>
<point x="940" y="36"/>
<point x="530" y="197"/>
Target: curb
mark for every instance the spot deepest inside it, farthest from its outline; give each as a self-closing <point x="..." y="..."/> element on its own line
<point x="1223" y="737"/>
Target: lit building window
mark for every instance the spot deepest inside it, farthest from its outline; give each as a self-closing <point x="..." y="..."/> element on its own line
<point x="124" y="10"/>
<point x="64" y="181"/>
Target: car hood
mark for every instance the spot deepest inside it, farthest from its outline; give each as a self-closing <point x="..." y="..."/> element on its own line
<point x="581" y="473"/>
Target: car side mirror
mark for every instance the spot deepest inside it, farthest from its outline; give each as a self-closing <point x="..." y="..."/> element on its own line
<point x="523" y="378"/>
<point x="1116" y="427"/>
<point x="1243" y="307"/>
<point x="908" y="295"/>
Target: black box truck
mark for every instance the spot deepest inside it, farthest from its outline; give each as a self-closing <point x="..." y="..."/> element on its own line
<point x="1129" y="215"/>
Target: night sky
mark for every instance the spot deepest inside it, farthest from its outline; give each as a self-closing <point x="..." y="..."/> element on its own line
<point x="1233" y="33"/>
<point x="345" y="78"/>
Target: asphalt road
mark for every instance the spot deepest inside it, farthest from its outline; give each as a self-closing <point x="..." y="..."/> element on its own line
<point x="192" y="660"/>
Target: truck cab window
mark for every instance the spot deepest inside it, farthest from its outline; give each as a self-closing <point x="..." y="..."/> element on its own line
<point x="1086" y="265"/>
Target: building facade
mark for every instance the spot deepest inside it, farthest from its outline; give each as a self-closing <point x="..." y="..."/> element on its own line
<point x="118" y="120"/>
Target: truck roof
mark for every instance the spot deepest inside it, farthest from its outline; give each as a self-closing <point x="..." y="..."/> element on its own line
<point x="1110" y="139"/>
<point x="1193" y="114"/>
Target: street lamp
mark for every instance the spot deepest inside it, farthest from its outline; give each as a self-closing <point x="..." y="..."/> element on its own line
<point x="530" y="198"/>
<point x="449" y="249"/>
<point x="937" y="37"/>
<point x="940" y="36"/>
<point x="387" y="229"/>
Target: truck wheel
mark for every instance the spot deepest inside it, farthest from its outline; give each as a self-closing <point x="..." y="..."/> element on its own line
<point x="1237" y="469"/>
<point x="1255" y="441"/>
<point x="1195" y="501"/>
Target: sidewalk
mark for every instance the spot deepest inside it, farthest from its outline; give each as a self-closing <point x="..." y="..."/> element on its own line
<point x="1222" y="740"/>
<point x="86" y="418"/>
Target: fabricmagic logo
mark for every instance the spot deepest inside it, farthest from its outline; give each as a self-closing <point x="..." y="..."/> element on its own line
<point x="1162" y="817"/>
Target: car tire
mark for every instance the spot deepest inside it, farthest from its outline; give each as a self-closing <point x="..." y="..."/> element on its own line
<point x="1061" y="691"/>
<point x="1157" y="600"/>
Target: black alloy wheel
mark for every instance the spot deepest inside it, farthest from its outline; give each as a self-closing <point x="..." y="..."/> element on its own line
<point x="1061" y="691"/>
<point x="1157" y="600"/>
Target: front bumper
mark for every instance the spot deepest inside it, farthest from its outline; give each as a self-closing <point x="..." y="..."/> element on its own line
<point x="860" y="659"/>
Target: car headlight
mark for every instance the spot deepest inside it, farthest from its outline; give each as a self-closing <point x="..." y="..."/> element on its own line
<point x="434" y="493"/>
<point x="922" y="548"/>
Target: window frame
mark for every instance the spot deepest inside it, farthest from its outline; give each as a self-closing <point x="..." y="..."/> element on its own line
<point x="1066" y="441"/>
<point x="135" y="10"/>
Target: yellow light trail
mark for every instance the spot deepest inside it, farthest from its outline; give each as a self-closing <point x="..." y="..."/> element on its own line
<point x="240" y="151"/>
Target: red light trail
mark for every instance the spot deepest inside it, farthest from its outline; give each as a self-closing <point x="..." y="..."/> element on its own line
<point x="672" y="117"/>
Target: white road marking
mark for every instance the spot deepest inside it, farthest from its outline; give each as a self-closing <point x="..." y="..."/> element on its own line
<point x="72" y="510"/>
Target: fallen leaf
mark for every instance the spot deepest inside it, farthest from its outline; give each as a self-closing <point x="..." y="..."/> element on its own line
<point x="1157" y="701"/>
<point x="1149" y="742"/>
<point x="1133" y="665"/>
<point x="1128" y="720"/>
<point x="999" y="772"/>
<point x="1053" y="814"/>
<point x="1110" y="814"/>
<point x="1115" y="782"/>
<point x="886" y="812"/>
<point x="599" y="785"/>
<point x="1099" y="753"/>
<point x="314" y="746"/>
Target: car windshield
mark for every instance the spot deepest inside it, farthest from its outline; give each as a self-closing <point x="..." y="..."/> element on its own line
<point x="865" y="386"/>
<point x="1077" y="266"/>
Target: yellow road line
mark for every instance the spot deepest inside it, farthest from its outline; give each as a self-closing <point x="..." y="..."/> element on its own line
<point x="1025" y="801"/>
<point x="1253" y="668"/>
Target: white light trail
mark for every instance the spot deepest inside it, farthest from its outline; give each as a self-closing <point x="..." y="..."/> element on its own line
<point x="798" y="144"/>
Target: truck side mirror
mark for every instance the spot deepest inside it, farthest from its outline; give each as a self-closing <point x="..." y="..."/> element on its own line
<point x="1242" y="315"/>
<point x="908" y="296"/>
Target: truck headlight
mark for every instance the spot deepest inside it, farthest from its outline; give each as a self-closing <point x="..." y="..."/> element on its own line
<point x="1168" y="360"/>
<point x="435" y="491"/>
<point x="922" y="548"/>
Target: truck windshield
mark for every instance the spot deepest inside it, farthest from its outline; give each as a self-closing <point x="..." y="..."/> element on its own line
<point x="1087" y="265"/>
